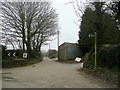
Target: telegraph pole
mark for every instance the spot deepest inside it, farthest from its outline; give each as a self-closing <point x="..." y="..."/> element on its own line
<point x="58" y="38"/>
<point x="49" y="46"/>
<point x="49" y="49"/>
<point x="58" y="44"/>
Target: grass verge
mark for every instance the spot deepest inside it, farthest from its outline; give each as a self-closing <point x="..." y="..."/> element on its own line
<point x="104" y="74"/>
<point x="9" y="63"/>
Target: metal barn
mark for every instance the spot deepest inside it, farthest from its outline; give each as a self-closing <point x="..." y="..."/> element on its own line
<point x="68" y="51"/>
<point x="0" y="52"/>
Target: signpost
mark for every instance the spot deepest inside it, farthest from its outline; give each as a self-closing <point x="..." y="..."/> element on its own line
<point x="91" y="35"/>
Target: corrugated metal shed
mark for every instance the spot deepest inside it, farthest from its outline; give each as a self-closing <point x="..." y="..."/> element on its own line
<point x="0" y="56"/>
<point x="0" y="52"/>
<point x="69" y="51"/>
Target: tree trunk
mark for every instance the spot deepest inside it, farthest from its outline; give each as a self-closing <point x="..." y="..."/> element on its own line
<point x="40" y="49"/>
<point x="28" y="44"/>
<point x="23" y="43"/>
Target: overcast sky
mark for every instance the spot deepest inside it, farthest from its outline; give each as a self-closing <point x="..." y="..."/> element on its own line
<point x="68" y="29"/>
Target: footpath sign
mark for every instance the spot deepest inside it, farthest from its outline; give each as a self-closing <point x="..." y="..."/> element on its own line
<point x="24" y="55"/>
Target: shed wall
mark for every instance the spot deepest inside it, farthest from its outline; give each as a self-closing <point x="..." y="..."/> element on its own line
<point x="0" y="52"/>
<point x="68" y="51"/>
<point x="72" y="53"/>
<point x="62" y="53"/>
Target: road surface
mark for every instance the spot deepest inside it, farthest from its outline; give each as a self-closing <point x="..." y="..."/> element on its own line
<point x="50" y="74"/>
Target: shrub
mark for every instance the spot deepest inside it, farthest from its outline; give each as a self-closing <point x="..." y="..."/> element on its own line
<point x="89" y="59"/>
<point x="3" y="52"/>
<point x="108" y="57"/>
<point x="52" y="54"/>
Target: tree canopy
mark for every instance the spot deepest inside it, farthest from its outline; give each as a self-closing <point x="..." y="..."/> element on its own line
<point x="88" y="27"/>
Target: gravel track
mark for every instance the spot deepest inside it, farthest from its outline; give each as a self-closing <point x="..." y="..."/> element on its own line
<point x="49" y="74"/>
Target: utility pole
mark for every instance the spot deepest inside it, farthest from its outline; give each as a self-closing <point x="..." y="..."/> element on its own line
<point x="49" y="49"/>
<point x="95" y="35"/>
<point x="98" y="31"/>
<point x="58" y="44"/>
<point x="49" y="46"/>
<point x="58" y="38"/>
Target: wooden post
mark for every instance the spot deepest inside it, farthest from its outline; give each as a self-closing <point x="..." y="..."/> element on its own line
<point x="95" y="51"/>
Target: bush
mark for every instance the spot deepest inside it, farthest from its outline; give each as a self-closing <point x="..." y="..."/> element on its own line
<point x="3" y="52"/>
<point x="89" y="60"/>
<point x="9" y="63"/>
<point x="52" y="54"/>
<point x="108" y="57"/>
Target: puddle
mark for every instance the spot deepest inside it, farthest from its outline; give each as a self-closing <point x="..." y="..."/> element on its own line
<point x="6" y="73"/>
<point x="7" y="78"/>
<point x="67" y="86"/>
<point x="43" y="82"/>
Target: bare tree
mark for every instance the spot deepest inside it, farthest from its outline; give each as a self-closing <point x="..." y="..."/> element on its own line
<point x="30" y="23"/>
<point x="79" y="8"/>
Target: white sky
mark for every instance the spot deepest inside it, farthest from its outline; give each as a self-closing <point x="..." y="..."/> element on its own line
<point x="68" y="29"/>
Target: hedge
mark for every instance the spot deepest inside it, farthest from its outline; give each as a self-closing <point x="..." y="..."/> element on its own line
<point x="106" y="57"/>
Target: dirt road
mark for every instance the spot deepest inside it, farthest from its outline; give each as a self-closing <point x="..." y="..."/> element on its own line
<point x="50" y="74"/>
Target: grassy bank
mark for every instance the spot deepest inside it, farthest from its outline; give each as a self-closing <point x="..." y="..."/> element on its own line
<point x="10" y="63"/>
<point x="106" y="75"/>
